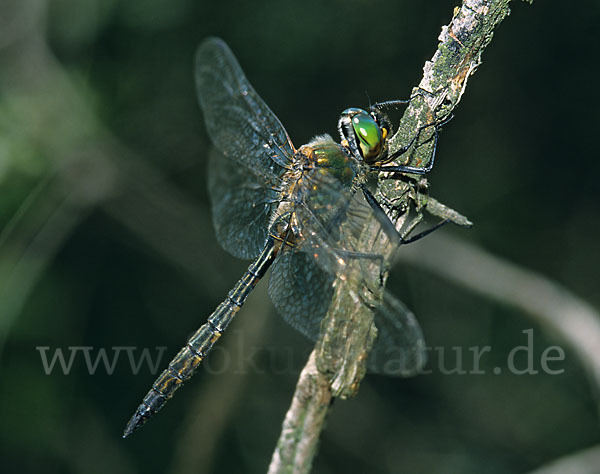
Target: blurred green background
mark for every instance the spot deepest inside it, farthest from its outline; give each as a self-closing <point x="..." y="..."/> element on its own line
<point x="107" y="240"/>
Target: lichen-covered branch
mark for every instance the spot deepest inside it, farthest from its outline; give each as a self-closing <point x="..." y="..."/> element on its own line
<point x="303" y="422"/>
<point x="348" y="332"/>
<point x="445" y="77"/>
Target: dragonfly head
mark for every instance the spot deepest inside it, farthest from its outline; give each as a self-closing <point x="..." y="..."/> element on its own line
<point x="365" y="133"/>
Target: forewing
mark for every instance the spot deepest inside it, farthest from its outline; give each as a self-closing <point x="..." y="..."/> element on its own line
<point x="399" y="349"/>
<point x="241" y="207"/>
<point x="239" y="123"/>
<point x="301" y="291"/>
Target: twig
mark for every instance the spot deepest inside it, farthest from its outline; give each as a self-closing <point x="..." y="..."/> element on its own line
<point x="582" y="462"/>
<point x="303" y="421"/>
<point x="348" y="330"/>
<point x="552" y="306"/>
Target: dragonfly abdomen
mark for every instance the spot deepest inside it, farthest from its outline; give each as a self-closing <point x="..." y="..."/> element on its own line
<point x="187" y="360"/>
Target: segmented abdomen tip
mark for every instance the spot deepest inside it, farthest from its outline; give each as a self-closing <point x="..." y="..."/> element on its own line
<point x="137" y="420"/>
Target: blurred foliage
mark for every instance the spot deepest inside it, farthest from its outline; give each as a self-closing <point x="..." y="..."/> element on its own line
<point x="106" y="236"/>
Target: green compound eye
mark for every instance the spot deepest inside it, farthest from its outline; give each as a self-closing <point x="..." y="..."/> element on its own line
<point x="370" y="138"/>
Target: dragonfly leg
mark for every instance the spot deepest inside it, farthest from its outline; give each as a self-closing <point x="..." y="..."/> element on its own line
<point x="378" y="258"/>
<point x="360" y="255"/>
<point x="405" y="148"/>
<point x="426" y="232"/>
<point x="392" y="103"/>
<point x="388" y="226"/>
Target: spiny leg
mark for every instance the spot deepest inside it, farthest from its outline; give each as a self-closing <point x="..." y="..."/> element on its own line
<point x="388" y="226"/>
<point x="392" y="103"/>
<point x="378" y="258"/>
<point x="359" y="255"/>
<point x="426" y="232"/>
<point x="405" y="148"/>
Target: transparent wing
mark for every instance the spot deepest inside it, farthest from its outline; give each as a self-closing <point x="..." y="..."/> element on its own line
<point x="241" y="207"/>
<point x="322" y="207"/>
<point x="301" y="291"/>
<point x="332" y="224"/>
<point x="399" y="349"/>
<point x="239" y="123"/>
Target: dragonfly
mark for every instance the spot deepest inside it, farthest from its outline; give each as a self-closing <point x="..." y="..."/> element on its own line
<point x="297" y="211"/>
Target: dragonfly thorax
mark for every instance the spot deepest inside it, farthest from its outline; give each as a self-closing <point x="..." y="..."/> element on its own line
<point x="323" y="173"/>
